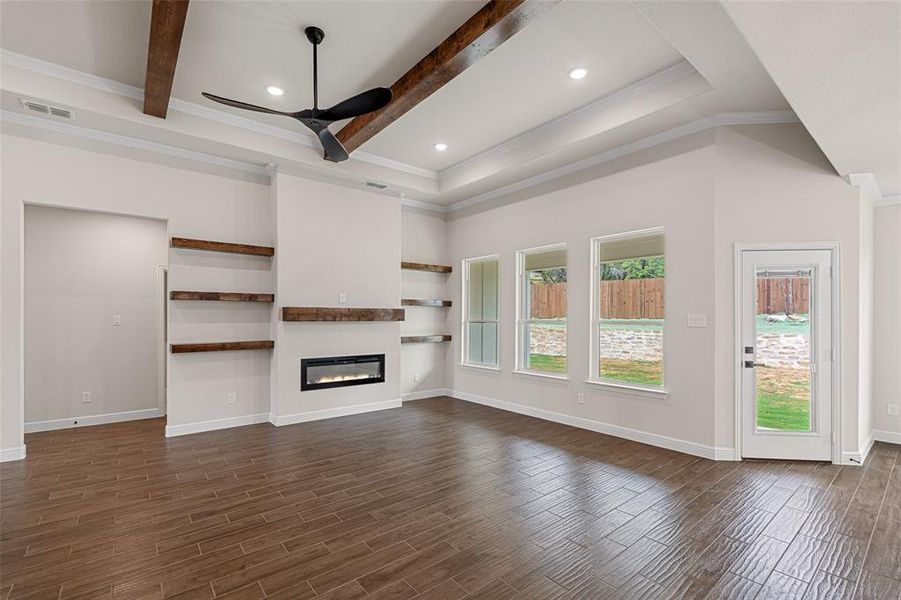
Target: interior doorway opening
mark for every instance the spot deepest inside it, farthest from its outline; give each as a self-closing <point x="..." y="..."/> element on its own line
<point x="94" y="318"/>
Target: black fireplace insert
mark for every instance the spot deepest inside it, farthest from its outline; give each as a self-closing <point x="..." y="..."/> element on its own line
<point x="340" y="371"/>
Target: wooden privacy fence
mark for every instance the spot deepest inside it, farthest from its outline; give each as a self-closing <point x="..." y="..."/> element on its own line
<point x="783" y="295"/>
<point x="643" y="298"/>
<point x="632" y="299"/>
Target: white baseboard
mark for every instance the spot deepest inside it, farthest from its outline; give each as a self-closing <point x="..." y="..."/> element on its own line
<point x="201" y="426"/>
<point x="424" y="394"/>
<point x="129" y="415"/>
<point x="635" y="435"/>
<point x="331" y="413"/>
<point x="857" y="458"/>
<point x="8" y="454"/>
<point x="892" y="437"/>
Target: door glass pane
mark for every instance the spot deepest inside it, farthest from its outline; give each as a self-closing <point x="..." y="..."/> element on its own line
<point x="783" y="351"/>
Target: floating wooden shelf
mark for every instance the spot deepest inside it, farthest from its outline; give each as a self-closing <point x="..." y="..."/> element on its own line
<point x="327" y="313"/>
<point x="212" y="246"/>
<point x="424" y="302"/>
<point x="221" y="296"/>
<point x="424" y="267"/>
<point x="419" y="339"/>
<point x="222" y="346"/>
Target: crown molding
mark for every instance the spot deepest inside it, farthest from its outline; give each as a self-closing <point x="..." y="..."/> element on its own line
<point x="103" y="84"/>
<point x="722" y="119"/>
<point x="870" y="189"/>
<point x="47" y="124"/>
<point x="667" y="75"/>
<point x="409" y="202"/>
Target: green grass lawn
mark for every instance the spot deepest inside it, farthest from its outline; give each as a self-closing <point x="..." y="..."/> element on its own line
<point x="783" y="398"/>
<point x="643" y="372"/>
<point x="547" y="362"/>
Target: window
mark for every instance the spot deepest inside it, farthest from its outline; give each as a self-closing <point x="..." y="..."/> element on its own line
<point x="541" y="302"/>
<point x="480" y="311"/>
<point x="628" y="309"/>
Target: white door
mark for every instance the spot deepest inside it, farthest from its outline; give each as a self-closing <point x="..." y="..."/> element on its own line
<point x="786" y="353"/>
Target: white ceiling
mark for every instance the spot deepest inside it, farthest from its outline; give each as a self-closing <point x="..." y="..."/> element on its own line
<point x="656" y="66"/>
<point x="525" y="83"/>
<point x="839" y="66"/>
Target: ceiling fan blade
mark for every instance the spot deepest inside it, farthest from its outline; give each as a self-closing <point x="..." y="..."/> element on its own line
<point x="360" y="104"/>
<point x="244" y="105"/>
<point x="334" y="151"/>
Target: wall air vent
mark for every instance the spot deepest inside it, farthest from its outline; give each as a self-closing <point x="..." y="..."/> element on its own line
<point x="46" y="109"/>
<point x="376" y="184"/>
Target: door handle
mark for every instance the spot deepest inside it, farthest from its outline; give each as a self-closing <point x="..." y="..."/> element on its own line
<point x="750" y="364"/>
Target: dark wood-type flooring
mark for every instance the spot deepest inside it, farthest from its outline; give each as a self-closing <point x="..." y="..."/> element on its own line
<point x="440" y="499"/>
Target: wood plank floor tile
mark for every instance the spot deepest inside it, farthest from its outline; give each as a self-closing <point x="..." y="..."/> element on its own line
<point x="440" y="499"/>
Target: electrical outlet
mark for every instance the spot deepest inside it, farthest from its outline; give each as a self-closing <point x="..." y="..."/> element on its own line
<point x="342" y="298"/>
<point x="86" y="397"/>
<point x="893" y="410"/>
<point x="580" y="398"/>
<point x="117" y="320"/>
<point x="231" y="398"/>
<point x="416" y="377"/>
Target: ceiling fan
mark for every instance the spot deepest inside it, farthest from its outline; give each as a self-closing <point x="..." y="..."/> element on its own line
<point x="319" y="120"/>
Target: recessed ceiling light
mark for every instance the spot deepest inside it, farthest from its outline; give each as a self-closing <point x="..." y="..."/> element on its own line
<point x="275" y="90"/>
<point x="578" y="73"/>
<point x="440" y="146"/>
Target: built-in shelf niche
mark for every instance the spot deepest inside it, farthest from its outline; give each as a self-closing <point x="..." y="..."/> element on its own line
<point x="327" y="313"/>
<point x="214" y="246"/>
<point x="222" y="346"/>
<point x="220" y="296"/>
<point x="414" y="266"/>
<point x="423" y="339"/>
<point x="435" y="302"/>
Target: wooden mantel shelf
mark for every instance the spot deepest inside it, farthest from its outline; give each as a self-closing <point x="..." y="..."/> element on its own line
<point x="424" y="302"/>
<point x="327" y="313"/>
<point x="419" y="339"/>
<point x="221" y="296"/>
<point x="213" y="246"/>
<point x="222" y="346"/>
<point x="413" y="266"/>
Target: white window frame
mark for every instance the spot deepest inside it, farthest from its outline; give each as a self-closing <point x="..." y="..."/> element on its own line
<point x="465" y="321"/>
<point x="522" y="312"/>
<point x="594" y="359"/>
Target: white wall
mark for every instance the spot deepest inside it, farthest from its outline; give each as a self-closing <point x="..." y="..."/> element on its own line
<point x="887" y="354"/>
<point x="773" y="184"/>
<point x="331" y="241"/>
<point x="669" y="186"/>
<point x="423" y="241"/>
<point x="82" y="268"/>
<point x="198" y="204"/>
<point x="733" y="184"/>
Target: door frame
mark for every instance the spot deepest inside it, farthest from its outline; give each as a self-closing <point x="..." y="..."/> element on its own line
<point x="835" y="251"/>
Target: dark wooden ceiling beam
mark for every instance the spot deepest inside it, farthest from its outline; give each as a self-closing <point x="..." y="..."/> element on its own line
<point x="167" y="23"/>
<point x="494" y="24"/>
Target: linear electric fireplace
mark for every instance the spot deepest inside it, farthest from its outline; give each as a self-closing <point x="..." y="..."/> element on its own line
<point x="338" y="371"/>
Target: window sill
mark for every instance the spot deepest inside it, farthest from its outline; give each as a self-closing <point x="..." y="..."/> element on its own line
<point x="541" y="375"/>
<point x="628" y="389"/>
<point x="480" y="367"/>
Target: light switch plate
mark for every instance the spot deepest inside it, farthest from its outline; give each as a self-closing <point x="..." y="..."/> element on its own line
<point x="117" y="320"/>
<point x="697" y="320"/>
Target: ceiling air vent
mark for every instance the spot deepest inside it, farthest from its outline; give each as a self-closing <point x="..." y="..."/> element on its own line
<point x="377" y="185"/>
<point x="46" y="109"/>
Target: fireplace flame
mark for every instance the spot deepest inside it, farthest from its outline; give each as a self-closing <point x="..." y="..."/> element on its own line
<point x="336" y="378"/>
